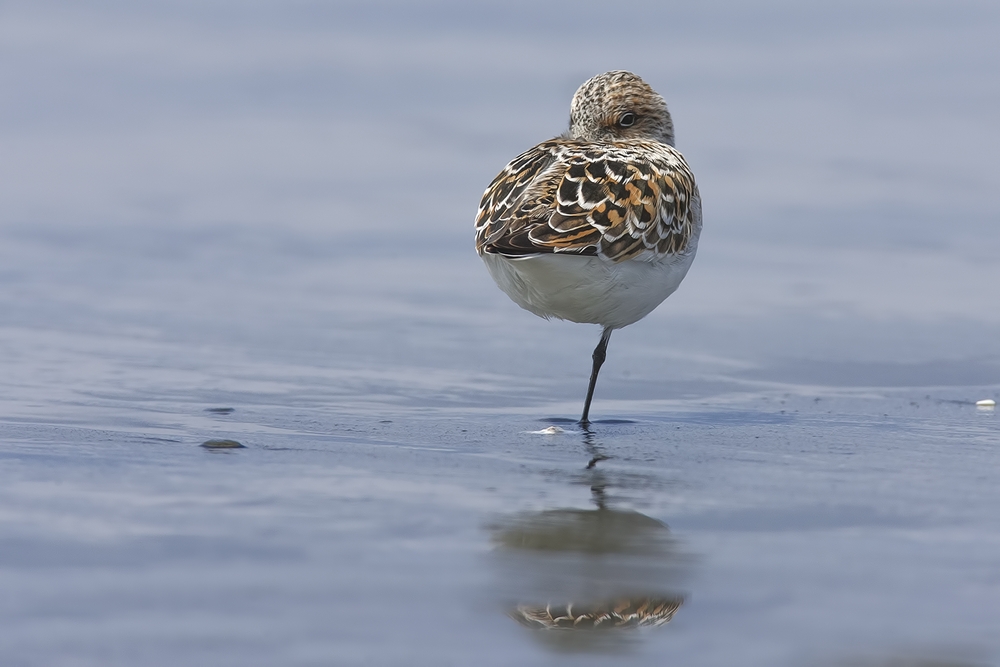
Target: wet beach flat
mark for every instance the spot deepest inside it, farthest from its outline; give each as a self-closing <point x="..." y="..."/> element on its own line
<point x="788" y="528"/>
<point x="254" y="226"/>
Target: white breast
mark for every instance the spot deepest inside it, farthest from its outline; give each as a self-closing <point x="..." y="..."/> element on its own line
<point x="589" y="289"/>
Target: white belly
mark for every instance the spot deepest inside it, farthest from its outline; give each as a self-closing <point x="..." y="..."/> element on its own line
<point x="588" y="289"/>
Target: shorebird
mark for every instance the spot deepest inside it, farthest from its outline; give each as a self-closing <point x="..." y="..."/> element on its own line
<point x="598" y="225"/>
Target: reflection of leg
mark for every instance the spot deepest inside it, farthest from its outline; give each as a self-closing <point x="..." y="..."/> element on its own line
<point x="597" y="459"/>
<point x="598" y="496"/>
<point x="590" y="443"/>
<point x="600" y="352"/>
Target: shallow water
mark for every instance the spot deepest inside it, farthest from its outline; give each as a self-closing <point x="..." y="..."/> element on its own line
<point x="224" y="221"/>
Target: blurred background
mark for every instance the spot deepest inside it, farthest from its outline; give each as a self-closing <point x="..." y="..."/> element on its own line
<point x="270" y="168"/>
<point x="266" y="209"/>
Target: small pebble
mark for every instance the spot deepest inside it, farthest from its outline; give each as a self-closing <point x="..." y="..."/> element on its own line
<point x="222" y="444"/>
<point x="986" y="403"/>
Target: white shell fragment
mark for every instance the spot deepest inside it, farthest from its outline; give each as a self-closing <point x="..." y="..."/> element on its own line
<point x="987" y="403"/>
<point x="551" y="430"/>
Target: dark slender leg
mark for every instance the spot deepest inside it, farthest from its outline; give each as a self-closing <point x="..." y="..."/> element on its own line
<point x="600" y="352"/>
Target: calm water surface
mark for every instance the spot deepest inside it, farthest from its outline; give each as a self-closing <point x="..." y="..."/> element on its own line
<point x="254" y="222"/>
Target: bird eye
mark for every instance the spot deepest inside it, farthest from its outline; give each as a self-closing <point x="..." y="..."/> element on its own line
<point x="627" y="119"/>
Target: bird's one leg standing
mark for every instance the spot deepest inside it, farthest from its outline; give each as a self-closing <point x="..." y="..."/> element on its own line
<point x="600" y="352"/>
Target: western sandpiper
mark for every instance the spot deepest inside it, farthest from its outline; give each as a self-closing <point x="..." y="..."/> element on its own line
<point x="601" y="224"/>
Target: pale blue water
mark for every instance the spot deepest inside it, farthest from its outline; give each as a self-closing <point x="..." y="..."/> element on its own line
<point x="268" y="207"/>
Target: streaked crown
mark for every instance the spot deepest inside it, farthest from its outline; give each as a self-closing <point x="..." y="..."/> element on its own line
<point x="619" y="106"/>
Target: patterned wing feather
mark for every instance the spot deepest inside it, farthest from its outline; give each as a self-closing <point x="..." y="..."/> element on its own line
<point x="505" y="210"/>
<point x="618" y="201"/>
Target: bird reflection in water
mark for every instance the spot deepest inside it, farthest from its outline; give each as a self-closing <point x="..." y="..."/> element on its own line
<point x="580" y="571"/>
